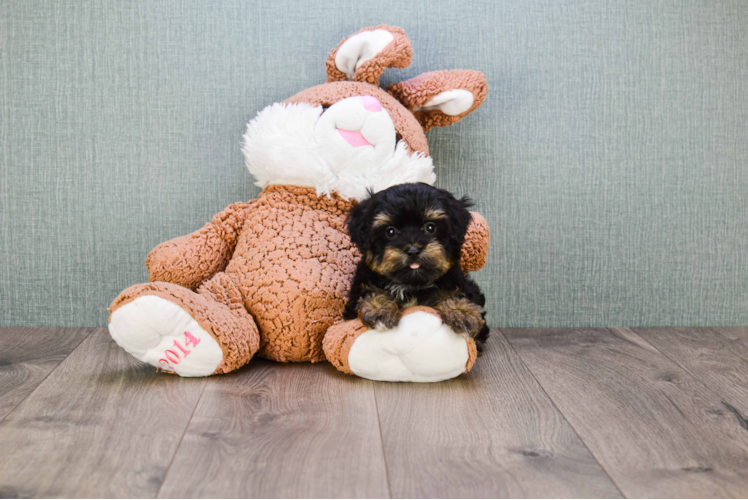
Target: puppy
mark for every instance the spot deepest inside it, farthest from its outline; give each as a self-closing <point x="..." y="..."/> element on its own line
<point x="410" y="237"/>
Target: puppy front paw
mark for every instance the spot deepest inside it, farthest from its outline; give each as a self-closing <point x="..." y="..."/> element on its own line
<point x="378" y="311"/>
<point x="462" y="316"/>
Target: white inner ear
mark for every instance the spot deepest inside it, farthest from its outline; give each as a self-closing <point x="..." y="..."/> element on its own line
<point x="359" y="49"/>
<point x="452" y="102"/>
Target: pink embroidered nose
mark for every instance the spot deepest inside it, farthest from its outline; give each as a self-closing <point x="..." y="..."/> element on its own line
<point x="353" y="138"/>
<point x="371" y="103"/>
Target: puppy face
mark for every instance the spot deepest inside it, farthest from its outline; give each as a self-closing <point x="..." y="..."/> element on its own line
<point x="411" y="233"/>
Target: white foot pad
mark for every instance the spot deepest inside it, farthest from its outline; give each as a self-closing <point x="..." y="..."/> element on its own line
<point x="419" y="349"/>
<point x="163" y="334"/>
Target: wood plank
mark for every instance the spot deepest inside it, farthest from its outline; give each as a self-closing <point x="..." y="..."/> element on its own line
<point x="718" y="361"/>
<point x="101" y="425"/>
<point x="28" y="355"/>
<point x="281" y="430"/>
<point x="738" y="337"/>
<point x="490" y="433"/>
<point x="656" y="430"/>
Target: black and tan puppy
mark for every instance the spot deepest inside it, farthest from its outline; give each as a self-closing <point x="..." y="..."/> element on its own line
<point x="410" y="237"/>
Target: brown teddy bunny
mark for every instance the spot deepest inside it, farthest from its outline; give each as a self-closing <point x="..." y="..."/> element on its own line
<point x="270" y="276"/>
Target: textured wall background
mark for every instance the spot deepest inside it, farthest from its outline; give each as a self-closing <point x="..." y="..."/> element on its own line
<point x="611" y="158"/>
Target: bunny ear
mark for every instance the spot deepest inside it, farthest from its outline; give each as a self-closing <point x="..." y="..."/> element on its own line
<point x="365" y="55"/>
<point x="441" y="98"/>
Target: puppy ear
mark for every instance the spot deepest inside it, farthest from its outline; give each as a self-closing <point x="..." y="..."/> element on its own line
<point x="365" y="55"/>
<point x="459" y="216"/>
<point x="441" y="98"/>
<point x="466" y="203"/>
<point x="359" y="220"/>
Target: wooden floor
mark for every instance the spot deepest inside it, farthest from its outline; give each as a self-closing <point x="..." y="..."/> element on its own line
<point x="545" y="413"/>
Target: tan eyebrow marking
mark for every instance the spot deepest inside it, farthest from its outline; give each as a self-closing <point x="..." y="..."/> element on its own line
<point x="382" y="220"/>
<point x="433" y="213"/>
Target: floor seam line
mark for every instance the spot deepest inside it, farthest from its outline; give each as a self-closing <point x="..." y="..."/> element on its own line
<point x="381" y="440"/>
<point x="90" y="331"/>
<point x="181" y="438"/>
<point x="553" y="403"/>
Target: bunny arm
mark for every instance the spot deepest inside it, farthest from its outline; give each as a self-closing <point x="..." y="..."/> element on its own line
<point x="194" y="258"/>
<point x="475" y="249"/>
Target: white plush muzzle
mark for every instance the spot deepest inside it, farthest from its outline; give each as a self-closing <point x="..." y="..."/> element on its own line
<point x="348" y="149"/>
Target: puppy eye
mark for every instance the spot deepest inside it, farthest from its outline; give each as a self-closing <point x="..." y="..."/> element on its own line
<point x="391" y="232"/>
<point x="430" y="228"/>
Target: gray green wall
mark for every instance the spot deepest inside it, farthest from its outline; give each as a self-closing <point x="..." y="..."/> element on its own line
<point x="611" y="158"/>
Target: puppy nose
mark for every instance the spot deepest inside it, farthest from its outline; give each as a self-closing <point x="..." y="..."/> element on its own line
<point x="371" y="103"/>
<point x="413" y="250"/>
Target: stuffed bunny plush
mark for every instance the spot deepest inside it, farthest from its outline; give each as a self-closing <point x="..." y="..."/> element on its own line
<point x="270" y="276"/>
